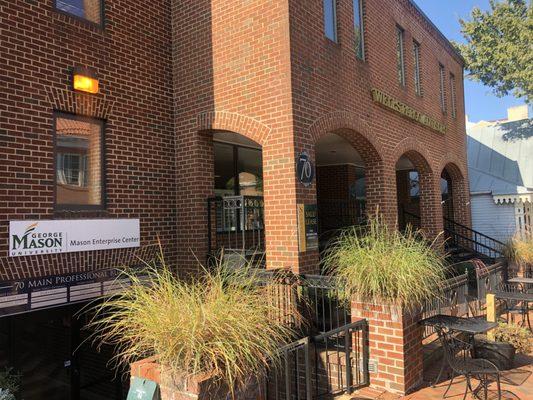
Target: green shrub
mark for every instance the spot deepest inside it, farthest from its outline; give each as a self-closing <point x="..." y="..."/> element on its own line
<point x="221" y="324"/>
<point x="382" y="265"/>
<point x="520" y="338"/>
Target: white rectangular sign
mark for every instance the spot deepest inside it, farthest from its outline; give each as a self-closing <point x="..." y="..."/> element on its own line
<point x="28" y="238"/>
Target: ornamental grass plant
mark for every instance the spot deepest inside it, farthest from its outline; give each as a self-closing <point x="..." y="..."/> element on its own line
<point x="520" y="249"/>
<point x="381" y="265"/>
<point x="221" y="325"/>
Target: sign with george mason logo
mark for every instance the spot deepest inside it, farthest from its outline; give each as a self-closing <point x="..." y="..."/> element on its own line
<point x="28" y="238"/>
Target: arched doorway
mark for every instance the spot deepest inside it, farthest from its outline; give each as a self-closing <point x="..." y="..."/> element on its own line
<point x="341" y="176"/>
<point x="408" y="194"/>
<point x="236" y="212"/>
<point x="416" y="194"/>
<point x="446" y="188"/>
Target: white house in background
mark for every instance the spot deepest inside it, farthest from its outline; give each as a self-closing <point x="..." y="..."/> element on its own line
<point x="500" y="163"/>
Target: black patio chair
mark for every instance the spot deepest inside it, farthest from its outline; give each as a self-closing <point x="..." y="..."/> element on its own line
<point x="513" y="307"/>
<point x="456" y="353"/>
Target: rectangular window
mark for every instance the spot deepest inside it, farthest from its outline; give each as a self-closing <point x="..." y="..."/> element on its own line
<point x="442" y="87"/>
<point x="330" y="19"/>
<point x="79" y="162"/>
<point x="90" y="10"/>
<point x="453" y="97"/>
<point x="418" y="78"/>
<point x="400" y="59"/>
<point x="359" y="29"/>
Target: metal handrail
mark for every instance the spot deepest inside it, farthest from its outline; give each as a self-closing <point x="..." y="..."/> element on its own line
<point x="476" y="234"/>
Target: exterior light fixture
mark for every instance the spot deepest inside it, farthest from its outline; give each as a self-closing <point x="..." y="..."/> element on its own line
<point x="85" y="80"/>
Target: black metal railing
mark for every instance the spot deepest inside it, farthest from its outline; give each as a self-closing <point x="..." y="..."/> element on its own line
<point x="462" y="237"/>
<point x="341" y="360"/>
<point x="236" y="227"/>
<point x="292" y="378"/>
<point x="452" y="301"/>
<point x="338" y="214"/>
<point x="322" y="366"/>
<point x="489" y="278"/>
<point x="326" y="310"/>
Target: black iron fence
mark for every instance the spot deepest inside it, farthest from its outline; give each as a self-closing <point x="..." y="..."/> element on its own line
<point x="453" y="300"/>
<point x="236" y="229"/>
<point x="325" y="307"/>
<point x="489" y="278"/>
<point x="322" y="366"/>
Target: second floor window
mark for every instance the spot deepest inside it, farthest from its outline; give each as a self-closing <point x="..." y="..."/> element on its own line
<point x="442" y="88"/>
<point x="418" y="78"/>
<point x="91" y="10"/>
<point x="79" y="162"/>
<point x="453" y="97"/>
<point x="400" y="56"/>
<point x="359" y="29"/>
<point x="330" y="19"/>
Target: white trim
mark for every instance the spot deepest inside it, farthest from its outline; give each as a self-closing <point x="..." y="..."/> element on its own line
<point x="513" y="198"/>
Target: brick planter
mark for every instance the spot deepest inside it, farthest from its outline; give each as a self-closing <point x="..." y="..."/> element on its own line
<point x="197" y="388"/>
<point x="395" y="347"/>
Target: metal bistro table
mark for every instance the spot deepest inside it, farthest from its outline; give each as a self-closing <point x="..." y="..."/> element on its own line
<point x="470" y="326"/>
<point x="526" y="283"/>
<point x="523" y="297"/>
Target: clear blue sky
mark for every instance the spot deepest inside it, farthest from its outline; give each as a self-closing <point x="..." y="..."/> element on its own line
<point x="480" y="102"/>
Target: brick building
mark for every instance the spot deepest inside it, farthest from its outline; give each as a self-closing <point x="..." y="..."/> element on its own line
<point x="217" y="123"/>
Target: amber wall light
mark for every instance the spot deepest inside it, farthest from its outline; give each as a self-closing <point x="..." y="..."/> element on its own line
<point x="85" y="80"/>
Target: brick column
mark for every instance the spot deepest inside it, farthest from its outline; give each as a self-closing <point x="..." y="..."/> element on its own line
<point x="395" y="347"/>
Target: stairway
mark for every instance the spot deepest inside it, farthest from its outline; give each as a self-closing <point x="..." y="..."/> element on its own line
<point x="464" y="243"/>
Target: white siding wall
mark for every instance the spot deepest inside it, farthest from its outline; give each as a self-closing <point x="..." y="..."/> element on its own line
<point x="495" y="220"/>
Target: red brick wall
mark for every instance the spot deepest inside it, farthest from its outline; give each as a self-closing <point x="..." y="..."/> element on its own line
<point x="132" y="57"/>
<point x="263" y="69"/>
<point x="332" y="94"/>
<point x="333" y="181"/>
<point x="232" y="69"/>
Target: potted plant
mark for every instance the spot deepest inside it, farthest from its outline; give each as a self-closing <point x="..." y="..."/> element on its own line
<point x="379" y="264"/>
<point x="9" y="384"/>
<point x="215" y="330"/>
<point x="519" y="252"/>
<point x="504" y="342"/>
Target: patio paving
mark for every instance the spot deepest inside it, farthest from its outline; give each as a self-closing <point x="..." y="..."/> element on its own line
<point x="516" y="384"/>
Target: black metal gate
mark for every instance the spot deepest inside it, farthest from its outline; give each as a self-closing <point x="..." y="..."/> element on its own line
<point x="322" y="366"/>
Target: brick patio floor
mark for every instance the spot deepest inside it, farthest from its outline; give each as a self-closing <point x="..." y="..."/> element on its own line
<point x="516" y="384"/>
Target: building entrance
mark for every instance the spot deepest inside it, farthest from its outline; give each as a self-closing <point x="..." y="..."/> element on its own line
<point x="50" y="350"/>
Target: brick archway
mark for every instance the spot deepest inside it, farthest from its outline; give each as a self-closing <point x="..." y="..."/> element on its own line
<point x="233" y="122"/>
<point x="451" y="165"/>
<point x="356" y="133"/>
<point x="415" y="152"/>
<point x="349" y="126"/>
<point x="430" y="193"/>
